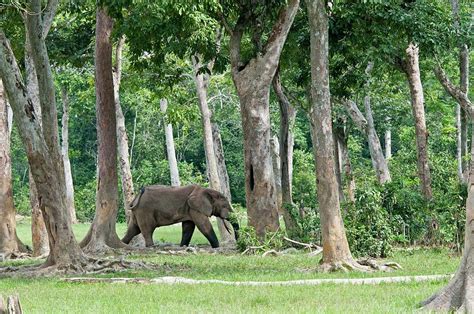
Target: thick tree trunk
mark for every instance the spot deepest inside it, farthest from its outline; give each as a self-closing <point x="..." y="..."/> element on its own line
<point x="102" y="234"/>
<point x="122" y="138"/>
<point x="275" y="151"/>
<point x="221" y="166"/>
<point x="65" y="154"/>
<point x="253" y="83"/>
<point x="9" y="241"/>
<point x="202" y="81"/>
<point x="173" y="163"/>
<point x="335" y="245"/>
<point x="458" y="295"/>
<point x="412" y="70"/>
<point x="287" y="121"/>
<point x="42" y="151"/>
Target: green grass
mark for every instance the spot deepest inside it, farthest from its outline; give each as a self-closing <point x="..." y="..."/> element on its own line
<point x="53" y="296"/>
<point x="50" y="296"/>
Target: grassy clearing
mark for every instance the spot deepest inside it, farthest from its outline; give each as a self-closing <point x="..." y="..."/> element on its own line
<point x="53" y="296"/>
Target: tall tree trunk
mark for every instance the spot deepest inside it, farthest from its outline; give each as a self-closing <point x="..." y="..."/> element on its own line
<point x="102" y="234"/>
<point x="202" y="82"/>
<point x="388" y="143"/>
<point x="412" y="70"/>
<point x="459" y="143"/>
<point x="41" y="144"/>
<point x="335" y="245"/>
<point x="458" y="295"/>
<point x="122" y="138"/>
<point x="287" y="121"/>
<point x="39" y="233"/>
<point x="221" y="166"/>
<point x="253" y="83"/>
<point x="65" y="154"/>
<point x="9" y="241"/>
<point x="275" y="152"/>
<point x="173" y="163"/>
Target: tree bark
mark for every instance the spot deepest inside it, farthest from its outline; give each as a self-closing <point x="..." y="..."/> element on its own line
<point x="202" y="82"/>
<point x="173" y="163"/>
<point x="459" y="143"/>
<point x="335" y="245"/>
<point x="9" y="241"/>
<point x="412" y="71"/>
<point x="458" y="295"/>
<point x="388" y="143"/>
<point x="253" y="83"/>
<point x="221" y="166"/>
<point x="122" y="138"/>
<point x="342" y="138"/>
<point x="287" y="121"/>
<point x="65" y="154"/>
<point x="275" y="152"/>
<point x="338" y="168"/>
<point x="102" y="234"/>
<point x="43" y="154"/>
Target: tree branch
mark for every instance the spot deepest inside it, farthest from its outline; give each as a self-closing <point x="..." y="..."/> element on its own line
<point x="453" y="90"/>
<point x="48" y="16"/>
<point x="275" y="42"/>
<point x="356" y="115"/>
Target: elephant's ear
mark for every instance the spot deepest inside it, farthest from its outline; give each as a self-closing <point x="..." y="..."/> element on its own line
<point x="200" y="201"/>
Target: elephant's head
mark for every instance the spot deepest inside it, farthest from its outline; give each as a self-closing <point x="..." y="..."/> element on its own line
<point x="213" y="203"/>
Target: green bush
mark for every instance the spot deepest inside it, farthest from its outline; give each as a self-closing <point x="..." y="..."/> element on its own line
<point x="248" y="240"/>
<point x="368" y="225"/>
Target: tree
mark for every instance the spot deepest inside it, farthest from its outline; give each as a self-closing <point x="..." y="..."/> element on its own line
<point x="41" y="143"/>
<point x="102" y="234"/>
<point x="336" y="252"/>
<point x="411" y="68"/>
<point x="122" y="138"/>
<point x="173" y="163"/>
<point x="458" y="295"/>
<point x="461" y="116"/>
<point x="65" y="154"/>
<point x="201" y="81"/>
<point x="252" y="80"/>
<point x="287" y="122"/>
<point x="367" y="126"/>
<point x="10" y="244"/>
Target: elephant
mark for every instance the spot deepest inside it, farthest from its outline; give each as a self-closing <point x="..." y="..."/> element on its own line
<point x="192" y="205"/>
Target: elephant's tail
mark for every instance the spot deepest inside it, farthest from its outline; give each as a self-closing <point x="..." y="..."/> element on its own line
<point x="136" y="200"/>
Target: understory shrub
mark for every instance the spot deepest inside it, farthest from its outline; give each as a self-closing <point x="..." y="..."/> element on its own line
<point x="368" y="225"/>
<point x="272" y="241"/>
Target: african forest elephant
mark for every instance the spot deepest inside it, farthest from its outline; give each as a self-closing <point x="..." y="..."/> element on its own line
<point x="159" y="205"/>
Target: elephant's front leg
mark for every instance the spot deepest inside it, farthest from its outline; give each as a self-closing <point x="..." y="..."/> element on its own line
<point x="204" y="225"/>
<point x="188" y="230"/>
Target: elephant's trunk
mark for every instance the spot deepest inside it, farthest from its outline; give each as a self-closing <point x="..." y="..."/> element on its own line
<point x="236" y="227"/>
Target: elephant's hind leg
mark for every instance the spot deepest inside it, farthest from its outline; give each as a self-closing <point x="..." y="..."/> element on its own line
<point x="188" y="230"/>
<point x="204" y="225"/>
<point x="132" y="231"/>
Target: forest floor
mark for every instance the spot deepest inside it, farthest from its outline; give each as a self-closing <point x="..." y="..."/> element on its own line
<point x="55" y="296"/>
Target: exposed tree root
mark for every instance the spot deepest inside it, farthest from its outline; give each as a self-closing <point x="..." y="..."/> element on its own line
<point x="364" y="265"/>
<point x="88" y="265"/>
<point x="458" y="295"/>
<point x="15" y="256"/>
<point x="309" y="282"/>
